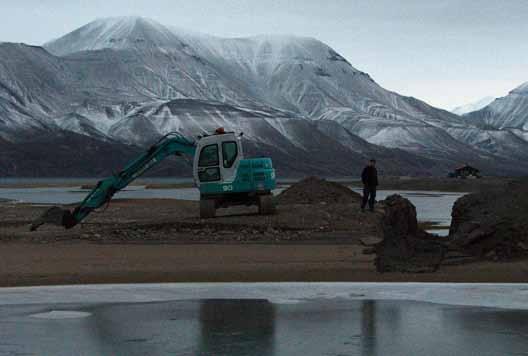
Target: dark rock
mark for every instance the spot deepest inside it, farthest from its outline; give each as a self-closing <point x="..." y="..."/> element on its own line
<point x="478" y="234"/>
<point x="369" y="251"/>
<point x="400" y="217"/>
<point x="493" y="222"/>
<point x="406" y="248"/>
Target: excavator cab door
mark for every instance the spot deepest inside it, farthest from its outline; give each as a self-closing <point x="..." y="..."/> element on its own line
<point x="231" y="151"/>
<point x="208" y="168"/>
<point x="217" y="159"/>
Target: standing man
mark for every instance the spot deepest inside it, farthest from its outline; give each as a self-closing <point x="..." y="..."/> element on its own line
<point x="369" y="177"/>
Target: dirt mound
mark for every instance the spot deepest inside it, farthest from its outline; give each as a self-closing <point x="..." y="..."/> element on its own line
<point x="405" y="248"/>
<point x="493" y="224"/>
<point x="313" y="190"/>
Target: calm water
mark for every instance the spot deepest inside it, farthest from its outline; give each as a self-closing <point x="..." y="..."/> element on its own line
<point x="238" y="319"/>
<point x="430" y="206"/>
<point x="236" y="327"/>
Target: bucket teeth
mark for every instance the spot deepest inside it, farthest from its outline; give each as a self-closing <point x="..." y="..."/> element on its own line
<point x="54" y="216"/>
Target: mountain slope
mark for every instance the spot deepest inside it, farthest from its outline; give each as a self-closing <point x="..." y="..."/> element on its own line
<point x="510" y="111"/>
<point x="126" y="81"/>
<point x="473" y="106"/>
<point x="87" y="116"/>
<point x="116" y="33"/>
<point x="504" y="125"/>
<point x="502" y="143"/>
<point x="299" y="75"/>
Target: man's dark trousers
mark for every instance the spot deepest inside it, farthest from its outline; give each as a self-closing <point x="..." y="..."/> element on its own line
<point x="369" y="195"/>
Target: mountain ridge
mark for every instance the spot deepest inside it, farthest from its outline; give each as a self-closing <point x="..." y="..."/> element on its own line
<point x="508" y="112"/>
<point x="131" y="80"/>
<point x="473" y="106"/>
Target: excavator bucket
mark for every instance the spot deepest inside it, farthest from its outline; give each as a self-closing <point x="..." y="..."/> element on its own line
<point x="54" y="216"/>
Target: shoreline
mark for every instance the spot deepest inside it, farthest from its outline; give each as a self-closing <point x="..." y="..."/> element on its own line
<point x="438" y="184"/>
<point x="164" y="240"/>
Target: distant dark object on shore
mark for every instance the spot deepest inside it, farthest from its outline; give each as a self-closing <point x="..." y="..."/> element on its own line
<point x="465" y="171"/>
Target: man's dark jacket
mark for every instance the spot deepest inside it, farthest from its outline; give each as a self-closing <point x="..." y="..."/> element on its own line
<point x="370" y="176"/>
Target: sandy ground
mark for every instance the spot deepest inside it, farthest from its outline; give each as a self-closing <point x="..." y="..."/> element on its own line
<point x="82" y="262"/>
<point x="136" y="241"/>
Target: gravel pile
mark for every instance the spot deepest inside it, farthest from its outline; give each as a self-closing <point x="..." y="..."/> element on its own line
<point x="313" y="190"/>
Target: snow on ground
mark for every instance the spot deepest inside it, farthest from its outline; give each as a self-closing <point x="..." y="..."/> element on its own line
<point x="61" y="314"/>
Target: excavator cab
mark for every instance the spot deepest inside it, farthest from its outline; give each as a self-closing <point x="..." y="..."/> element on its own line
<point x="226" y="178"/>
<point x="217" y="158"/>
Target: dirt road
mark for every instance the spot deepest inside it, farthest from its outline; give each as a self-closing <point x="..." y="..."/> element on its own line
<point x="84" y="262"/>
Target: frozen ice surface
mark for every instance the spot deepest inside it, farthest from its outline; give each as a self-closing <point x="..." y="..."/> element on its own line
<point x="61" y="314"/>
<point x="511" y="296"/>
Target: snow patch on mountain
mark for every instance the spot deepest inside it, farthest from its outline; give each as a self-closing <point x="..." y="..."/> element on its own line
<point x="502" y="143"/>
<point x="116" y="33"/>
<point x="509" y="112"/>
<point x="521" y="89"/>
<point x="473" y="106"/>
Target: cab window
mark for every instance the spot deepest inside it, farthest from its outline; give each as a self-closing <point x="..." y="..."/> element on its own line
<point x="210" y="174"/>
<point x="209" y="156"/>
<point x="229" y="153"/>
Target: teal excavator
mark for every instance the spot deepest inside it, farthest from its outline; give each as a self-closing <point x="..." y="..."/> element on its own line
<point x="220" y="171"/>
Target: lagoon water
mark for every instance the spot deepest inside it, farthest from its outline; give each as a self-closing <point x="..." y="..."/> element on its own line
<point x="264" y="319"/>
<point x="431" y="206"/>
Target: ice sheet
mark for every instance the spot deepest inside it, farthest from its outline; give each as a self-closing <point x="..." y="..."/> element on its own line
<point x="512" y="296"/>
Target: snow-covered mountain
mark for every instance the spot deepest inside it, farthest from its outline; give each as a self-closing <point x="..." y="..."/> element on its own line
<point x="126" y="81"/>
<point x="504" y="125"/>
<point x="507" y="112"/>
<point x="77" y="96"/>
<point x="117" y="33"/>
<point x="302" y="76"/>
<point x="506" y="144"/>
<point x="473" y="106"/>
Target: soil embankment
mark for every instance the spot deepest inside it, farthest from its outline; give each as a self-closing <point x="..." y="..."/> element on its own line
<point x="318" y="234"/>
<point x="493" y="224"/>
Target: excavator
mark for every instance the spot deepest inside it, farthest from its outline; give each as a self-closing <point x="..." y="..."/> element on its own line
<point x="220" y="171"/>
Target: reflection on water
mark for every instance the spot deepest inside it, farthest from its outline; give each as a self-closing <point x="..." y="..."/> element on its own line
<point x="368" y="327"/>
<point x="237" y="327"/>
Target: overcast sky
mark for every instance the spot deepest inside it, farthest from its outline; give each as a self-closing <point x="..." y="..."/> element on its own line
<point x="445" y="52"/>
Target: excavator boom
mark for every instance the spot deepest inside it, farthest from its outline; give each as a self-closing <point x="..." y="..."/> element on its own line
<point x="170" y="144"/>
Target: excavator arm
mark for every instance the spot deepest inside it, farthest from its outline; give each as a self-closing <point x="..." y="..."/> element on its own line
<point x="170" y="144"/>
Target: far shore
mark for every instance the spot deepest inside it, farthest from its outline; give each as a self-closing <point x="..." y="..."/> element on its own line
<point x="439" y="184"/>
